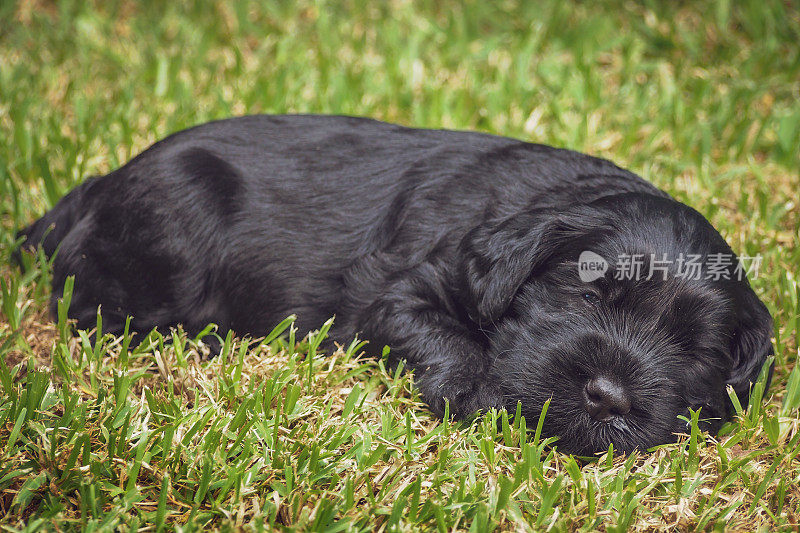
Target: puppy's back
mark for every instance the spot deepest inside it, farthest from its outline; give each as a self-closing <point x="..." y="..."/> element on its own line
<point x="244" y="220"/>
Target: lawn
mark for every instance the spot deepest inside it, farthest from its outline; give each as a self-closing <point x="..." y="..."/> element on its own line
<point x="701" y="98"/>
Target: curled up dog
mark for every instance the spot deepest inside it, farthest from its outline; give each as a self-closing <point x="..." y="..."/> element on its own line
<point x="501" y="271"/>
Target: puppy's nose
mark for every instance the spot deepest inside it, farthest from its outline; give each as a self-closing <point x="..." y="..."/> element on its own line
<point x="604" y="399"/>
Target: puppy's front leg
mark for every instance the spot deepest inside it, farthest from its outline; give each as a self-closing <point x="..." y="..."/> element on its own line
<point x="413" y="319"/>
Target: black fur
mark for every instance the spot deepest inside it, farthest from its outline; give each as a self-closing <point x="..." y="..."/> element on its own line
<point x="456" y="249"/>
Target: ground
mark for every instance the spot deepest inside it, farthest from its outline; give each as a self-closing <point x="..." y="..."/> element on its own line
<point x="701" y="98"/>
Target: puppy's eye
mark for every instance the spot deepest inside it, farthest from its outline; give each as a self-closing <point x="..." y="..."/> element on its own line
<point x="590" y="298"/>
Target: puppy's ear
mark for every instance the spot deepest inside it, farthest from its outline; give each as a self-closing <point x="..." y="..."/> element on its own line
<point x="498" y="256"/>
<point x="750" y="343"/>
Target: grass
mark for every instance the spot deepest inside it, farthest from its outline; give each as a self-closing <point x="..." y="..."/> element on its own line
<point x="700" y="98"/>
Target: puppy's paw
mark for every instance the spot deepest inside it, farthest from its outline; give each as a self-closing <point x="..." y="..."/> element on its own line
<point x="465" y="396"/>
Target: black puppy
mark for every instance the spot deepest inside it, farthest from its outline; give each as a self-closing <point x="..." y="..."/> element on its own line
<point x="502" y="271"/>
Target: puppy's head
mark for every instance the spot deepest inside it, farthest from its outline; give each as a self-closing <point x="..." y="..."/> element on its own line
<point x="625" y="312"/>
